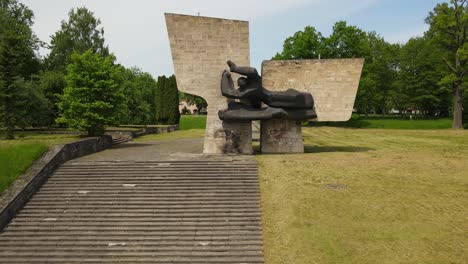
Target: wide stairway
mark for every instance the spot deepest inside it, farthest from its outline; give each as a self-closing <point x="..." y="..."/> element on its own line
<point x="192" y="211"/>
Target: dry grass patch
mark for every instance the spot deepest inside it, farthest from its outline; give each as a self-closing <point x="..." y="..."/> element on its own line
<point x="368" y="196"/>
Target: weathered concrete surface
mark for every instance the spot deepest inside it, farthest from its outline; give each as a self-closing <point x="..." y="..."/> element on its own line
<point x="332" y="82"/>
<point x="192" y="209"/>
<point x="149" y="150"/>
<point x="281" y="136"/>
<point x="200" y="48"/>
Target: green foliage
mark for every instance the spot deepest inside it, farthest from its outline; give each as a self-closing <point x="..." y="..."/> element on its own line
<point x="93" y="96"/>
<point x="159" y="98"/>
<point x="18" y="45"/>
<point x="52" y="84"/>
<point x="35" y="107"/>
<point x="394" y="76"/>
<point x="173" y="102"/>
<point x="307" y="44"/>
<point x="167" y="101"/>
<point x="347" y="42"/>
<point x="191" y="99"/>
<point x="139" y="90"/>
<point x="13" y="103"/>
<point x="80" y="33"/>
<point x="448" y="27"/>
<point x="15" y="159"/>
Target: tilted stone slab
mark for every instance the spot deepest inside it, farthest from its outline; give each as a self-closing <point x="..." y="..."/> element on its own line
<point x="200" y="48"/>
<point x="332" y="82"/>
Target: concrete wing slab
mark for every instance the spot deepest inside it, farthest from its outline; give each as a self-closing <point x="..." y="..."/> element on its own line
<point x="200" y="47"/>
<point x="332" y="82"/>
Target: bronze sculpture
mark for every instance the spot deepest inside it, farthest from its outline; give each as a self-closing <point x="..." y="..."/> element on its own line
<point x="289" y="104"/>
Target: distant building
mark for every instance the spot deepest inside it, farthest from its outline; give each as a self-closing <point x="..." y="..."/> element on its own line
<point x="186" y="108"/>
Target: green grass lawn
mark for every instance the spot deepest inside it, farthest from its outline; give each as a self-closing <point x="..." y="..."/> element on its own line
<point x="188" y="122"/>
<point x="16" y="156"/>
<point x="388" y="122"/>
<point x="367" y="196"/>
<point x="377" y="121"/>
<point x="15" y="159"/>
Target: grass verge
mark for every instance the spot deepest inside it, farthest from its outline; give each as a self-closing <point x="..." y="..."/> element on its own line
<point x="15" y="159"/>
<point x="16" y="156"/>
<point x="188" y="122"/>
<point x="367" y="196"/>
<point x="388" y="122"/>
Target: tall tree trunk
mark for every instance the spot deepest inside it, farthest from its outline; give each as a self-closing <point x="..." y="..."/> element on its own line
<point x="458" y="108"/>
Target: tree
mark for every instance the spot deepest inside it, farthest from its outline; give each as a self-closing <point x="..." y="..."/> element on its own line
<point x="93" y="96"/>
<point x="159" y="99"/>
<point x="307" y="44"/>
<point x="36" y="107"/>
<point x="167" y="101"/>
<point x="52" y="83"/>
<point x="346" y="42"/>
<point x="448" y="26"/>
<point x="147" y="86"/>
<point x="139" y="89"/>
<point x="80" y="33"/>
<point x="191" y="99"/>
<point x="18" y="60"/>
<point x="173" y="102"/>
<point x="420" y="73"/>
<point x="381" y="65"/>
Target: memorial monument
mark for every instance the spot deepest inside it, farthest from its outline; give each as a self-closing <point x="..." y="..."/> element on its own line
<point x="210" y="53"/>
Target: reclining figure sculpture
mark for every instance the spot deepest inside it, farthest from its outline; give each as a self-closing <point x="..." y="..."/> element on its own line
<point x="289" y="104"/>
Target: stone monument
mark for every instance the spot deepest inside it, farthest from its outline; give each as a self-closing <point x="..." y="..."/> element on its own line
<point x="287" y="93"/>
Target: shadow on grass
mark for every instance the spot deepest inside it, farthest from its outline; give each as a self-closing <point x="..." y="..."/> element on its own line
<point x="323" y="149"/>
<point x="320" y="149"/>
<point x="352" y="123"/>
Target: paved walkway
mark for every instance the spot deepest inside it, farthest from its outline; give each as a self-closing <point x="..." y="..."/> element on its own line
<point x="139" y="203"/>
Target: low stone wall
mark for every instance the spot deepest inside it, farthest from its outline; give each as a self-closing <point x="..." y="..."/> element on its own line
<point x="41" y="171"/>
<point x="143" y="131"/>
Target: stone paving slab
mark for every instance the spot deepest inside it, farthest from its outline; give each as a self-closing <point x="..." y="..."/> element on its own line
<point x="201" y="209"/>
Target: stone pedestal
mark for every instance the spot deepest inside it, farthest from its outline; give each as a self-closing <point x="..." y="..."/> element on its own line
<point x="281" y="136"/>
<point x="228" y="137"/>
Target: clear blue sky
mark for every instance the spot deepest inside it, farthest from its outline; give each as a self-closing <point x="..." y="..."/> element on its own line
<point x="136" y="31"/>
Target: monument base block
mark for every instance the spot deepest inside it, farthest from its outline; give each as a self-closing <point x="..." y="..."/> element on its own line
<point x="229" y="138"/>
<point x="281" y="136"/>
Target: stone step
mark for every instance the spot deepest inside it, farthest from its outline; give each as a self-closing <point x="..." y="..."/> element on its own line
<point x="134" y="211"/>
<point x="31" y="220"/>
<point x="194" y="163"/>
<point x="47" y="241"/>
<point x="205" y="211"/>
<point x="135" y="259"/>
<point x="160" y="239"/>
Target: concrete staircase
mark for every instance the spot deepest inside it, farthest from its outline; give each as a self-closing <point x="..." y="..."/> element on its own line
<point x="193" y="211"/>
<point x="118" y="140"/>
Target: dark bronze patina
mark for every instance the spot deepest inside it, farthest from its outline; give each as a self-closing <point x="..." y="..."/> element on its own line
<point x="290" y="104"/>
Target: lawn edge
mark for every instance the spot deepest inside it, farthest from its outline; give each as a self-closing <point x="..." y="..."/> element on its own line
<point x="28" y="183"/>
